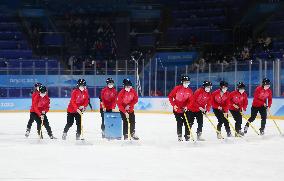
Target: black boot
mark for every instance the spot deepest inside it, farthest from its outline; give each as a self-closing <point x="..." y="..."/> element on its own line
<point x="239" y="133"/>
<point x="261" y="131"/>
<point x="52" y="137"/>
<point x="219" y="135"/>
<point x="199" y="136"/>
<point x="187" y="137"/>
<point x="125" y="137"/>
<point x="246" y="129"/>
<point x="180" y="137"/>
<point x="27" y="132"/>
<point x="78" y="136"/>
<point x="134" y="136"/>
<point x="64" y="135"/>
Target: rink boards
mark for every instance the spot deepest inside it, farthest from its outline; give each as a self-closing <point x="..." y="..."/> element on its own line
<point x="149" y="104"/>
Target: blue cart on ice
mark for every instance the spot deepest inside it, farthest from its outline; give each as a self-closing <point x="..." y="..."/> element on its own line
<point x="113" y="125"/>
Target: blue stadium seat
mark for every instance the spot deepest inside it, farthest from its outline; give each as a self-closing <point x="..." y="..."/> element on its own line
<point x="3" y="64"/>
<point x="53" y="91"/>
<point x="15" y="92"/>
<point x="13" y="64"/>
<point x="10" y="54"/>
<point x="40" y="64"/>
<point x="53" y="39"/>
<point x="91" y="91"/>
<point x="12" y="44"/>
<point x="11" y="36"/>
<point x="26" y="91"/>
<point x="9" y="26"/>
<point x="3" y="92"/>
<point x="52" y="64"/>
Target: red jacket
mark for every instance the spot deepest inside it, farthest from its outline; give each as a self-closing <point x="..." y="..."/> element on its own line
<point x="260" y="97"/>
<point x="40" y="104"/>
<point x="108" y="98"/>
<point x="78" y="98"/>
<point x="180" y="97"/>
<point x="220" y="101"/>
<point x="239" y="99"/>
<point x="125" y="98"/>
<point x="200" y="98"/>
<point x="35" y="92"/>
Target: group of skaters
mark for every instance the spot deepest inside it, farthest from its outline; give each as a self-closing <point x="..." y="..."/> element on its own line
<point x="109" y="98"/>
<point x="187" y="106"/>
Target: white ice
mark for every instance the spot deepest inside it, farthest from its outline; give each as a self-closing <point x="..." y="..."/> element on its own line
<point x="157" y="157"/>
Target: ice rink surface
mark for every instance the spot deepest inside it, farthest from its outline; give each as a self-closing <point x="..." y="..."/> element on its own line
<point x="156" y="157"/>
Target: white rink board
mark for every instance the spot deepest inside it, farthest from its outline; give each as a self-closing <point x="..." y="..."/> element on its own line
<point x="145" y="104"/>
<point x="158" y="156"/>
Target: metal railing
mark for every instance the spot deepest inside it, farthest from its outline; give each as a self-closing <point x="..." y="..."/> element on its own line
<point x="154" y="77"/>
<point x="17" y="77"/>
<point x="159" y="78"/>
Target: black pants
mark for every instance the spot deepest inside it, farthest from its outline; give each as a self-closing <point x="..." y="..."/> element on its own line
<point x="238" y="118"/>
<point x="180" y="119"/>
<point x="35" y="117"/>
<point x="103" y="119"/>
<point x="70" y="122"/>
<point x="199" y="117"/>
<point x="263" y="114"/>
<point x="31" y="121"/>
<point x="221" y="120"/>
<point x="125" y="123"/>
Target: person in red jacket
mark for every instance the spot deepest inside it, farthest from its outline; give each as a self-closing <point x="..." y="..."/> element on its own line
<point x="39" y="109"/>
<point x="179" y="98"/>
<point x="107" y="101"/>
<point x="259" y="104"/>
<point x="220" y="105"/>
<point x="31" y="120"/>
<point x="238" y="102"/>
<point x="126" y="100"/>
<point x="199" y="105"/>
<point x="77" y="105"/>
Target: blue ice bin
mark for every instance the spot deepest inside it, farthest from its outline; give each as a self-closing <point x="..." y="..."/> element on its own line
<point x="113" y="125"/>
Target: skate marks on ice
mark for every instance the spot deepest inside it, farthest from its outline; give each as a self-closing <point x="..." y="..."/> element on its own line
<point x="156" y="143"/>
<point x="130" y="143"/>
<point x="162" y="144"/>
<point x="166" y="144"/>
<point x="156" y="130"/>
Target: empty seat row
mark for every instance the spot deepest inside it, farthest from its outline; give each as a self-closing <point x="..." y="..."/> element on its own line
<point x="10" y="54"/>
<point x="265" y="55"/>
<point x="214" y="36"/>
<point x="4" y="18"/>
<point x="29" y="63"/>
<point x="198" y="13"/>
<point x="201" y="21"/>
<point x="4" y="35"/>
<point x="13" y="44"/>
